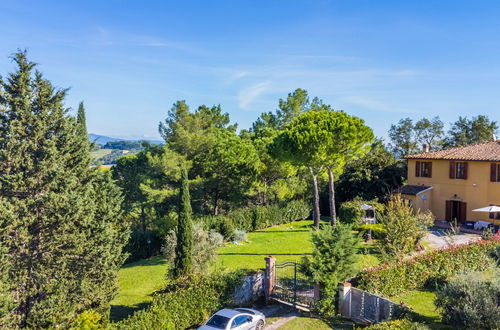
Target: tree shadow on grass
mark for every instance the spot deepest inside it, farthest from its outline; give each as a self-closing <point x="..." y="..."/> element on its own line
<point x="121" y="312"/>
<point x="153" y="261"/>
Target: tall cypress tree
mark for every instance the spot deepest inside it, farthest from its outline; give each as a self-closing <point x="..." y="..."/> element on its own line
<point x="61" y="235"/>
<point x="184" y="248"/>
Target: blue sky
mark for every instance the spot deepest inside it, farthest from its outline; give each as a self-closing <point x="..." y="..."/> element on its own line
<point x="129" y="61"/>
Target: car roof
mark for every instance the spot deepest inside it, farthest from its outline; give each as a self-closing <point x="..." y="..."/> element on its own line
<point x="228" y="312"/>
<point x="245" y="310"/>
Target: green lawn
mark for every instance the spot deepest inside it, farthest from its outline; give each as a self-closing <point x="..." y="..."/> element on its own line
<point x="285" y="242"/>
<point x="422" y="302"/>
<point x="137" y="281"/>
<point x="300" y="322"/>
<point x="100" y="153"/>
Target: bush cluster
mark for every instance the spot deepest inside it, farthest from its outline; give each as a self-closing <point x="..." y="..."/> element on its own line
<point x="257" y="217"/>
<point x="471" y="300"/>
<point x="403" y="324"/>
<point x="204" y="252"/>
<point x="394" y="277"/>
<point x="185" y="304"/>
<point x="378" y="230"/>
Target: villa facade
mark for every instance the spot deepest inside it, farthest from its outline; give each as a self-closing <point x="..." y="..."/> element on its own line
<point x="452" y="183"/>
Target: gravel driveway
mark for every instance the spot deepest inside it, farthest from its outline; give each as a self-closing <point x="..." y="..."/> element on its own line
<point x="436" y="238"/>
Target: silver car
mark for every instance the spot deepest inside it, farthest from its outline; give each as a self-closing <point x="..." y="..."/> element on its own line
<point x="235" y="319"/>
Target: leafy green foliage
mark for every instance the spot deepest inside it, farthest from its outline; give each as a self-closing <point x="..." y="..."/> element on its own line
<point x="257" y="217"/>
<point x="471" y="300"/>
<point x="185" y="304"/>
<point x="426" y="269"/>
<point x="403" y="227"/>
<point x="323" y="139"/>
<point x="204" y="252"/>
<point x="402" y="324"/>
<point x="334" y="258"/>
<point x="87" y="320"/>
<point x="184" y="246"/>
<point x="468" y="131"/>
<point x="149" y="181"/>
<point x="373" y="176"/>
<point x="227" y="169"/>
<point x="62" y="230"/>
<point x="407" y="137"/>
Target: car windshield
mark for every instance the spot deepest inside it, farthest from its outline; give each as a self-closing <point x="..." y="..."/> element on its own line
<point x="218" y="321"/>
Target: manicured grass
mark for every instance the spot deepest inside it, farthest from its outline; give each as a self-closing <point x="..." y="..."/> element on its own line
<point x="300" y="323"/>
<point x="285" y="242"/>
<point x="100" y="153"/>
<point x="422" y="302"/>
<point x="137" y="281"/>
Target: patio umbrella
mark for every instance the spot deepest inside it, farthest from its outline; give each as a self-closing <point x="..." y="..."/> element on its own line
<point x="490" y="209"/>
<point x="366" y="207"/>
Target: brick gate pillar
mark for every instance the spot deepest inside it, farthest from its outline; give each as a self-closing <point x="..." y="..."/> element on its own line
<point x="270" y="278"/>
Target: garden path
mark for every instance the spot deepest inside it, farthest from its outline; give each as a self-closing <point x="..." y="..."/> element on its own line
<point x="437" y="238"/>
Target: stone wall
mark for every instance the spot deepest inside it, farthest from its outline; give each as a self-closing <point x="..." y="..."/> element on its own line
<point x="251" y="289"/>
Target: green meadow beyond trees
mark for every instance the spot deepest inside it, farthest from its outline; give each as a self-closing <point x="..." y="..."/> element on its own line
<point x="61" y="233"/>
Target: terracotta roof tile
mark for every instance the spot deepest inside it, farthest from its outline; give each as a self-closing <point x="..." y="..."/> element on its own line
<point x="486" y="151"/>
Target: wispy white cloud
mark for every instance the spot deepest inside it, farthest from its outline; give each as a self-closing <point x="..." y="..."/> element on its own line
<point x="248" y="95"/>
<point x="377" y="105"/>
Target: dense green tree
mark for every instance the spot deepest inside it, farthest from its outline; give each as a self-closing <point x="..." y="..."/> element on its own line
<point x="430" y="132"/>
<point x="276" y="180"/>
<point x="184" y="246"/>
<point x="302" y="144"/>
<point x="333" y="260"/>
<point x="149" y="181"/>
<point x="61" y="232"/>
<point x="403" y="139"/>
<point x="349" y="140"/>
<point x="323" y="139"/>
<point x="468" y="131"/>
<point x="373" y="176"/>
<point x="228" y="169"/>
<point x="408" y="137"/>
<point x="295" y="103"/>
<point x="222" y="172"/>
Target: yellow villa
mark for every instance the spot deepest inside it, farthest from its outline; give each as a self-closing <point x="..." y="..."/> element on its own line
<point x="452" y="183"/>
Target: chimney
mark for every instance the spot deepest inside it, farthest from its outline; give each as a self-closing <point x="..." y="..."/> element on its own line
<point x="425" y="147"/>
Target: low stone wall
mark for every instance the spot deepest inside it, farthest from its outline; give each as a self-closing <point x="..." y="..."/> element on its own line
<point x="251" y="288"/>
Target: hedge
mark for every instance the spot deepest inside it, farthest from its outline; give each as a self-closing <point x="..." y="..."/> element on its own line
<point x="185" y="305"/>
<point x="392" y="278"/>
<point x="257" y="217"/>
<point x="398" y="325"/>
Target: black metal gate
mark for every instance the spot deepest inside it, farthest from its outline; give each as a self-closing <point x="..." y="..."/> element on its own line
<point x="292" y="286"/>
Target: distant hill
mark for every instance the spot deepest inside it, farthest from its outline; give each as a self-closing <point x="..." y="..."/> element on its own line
<point x="102" y="139"/>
